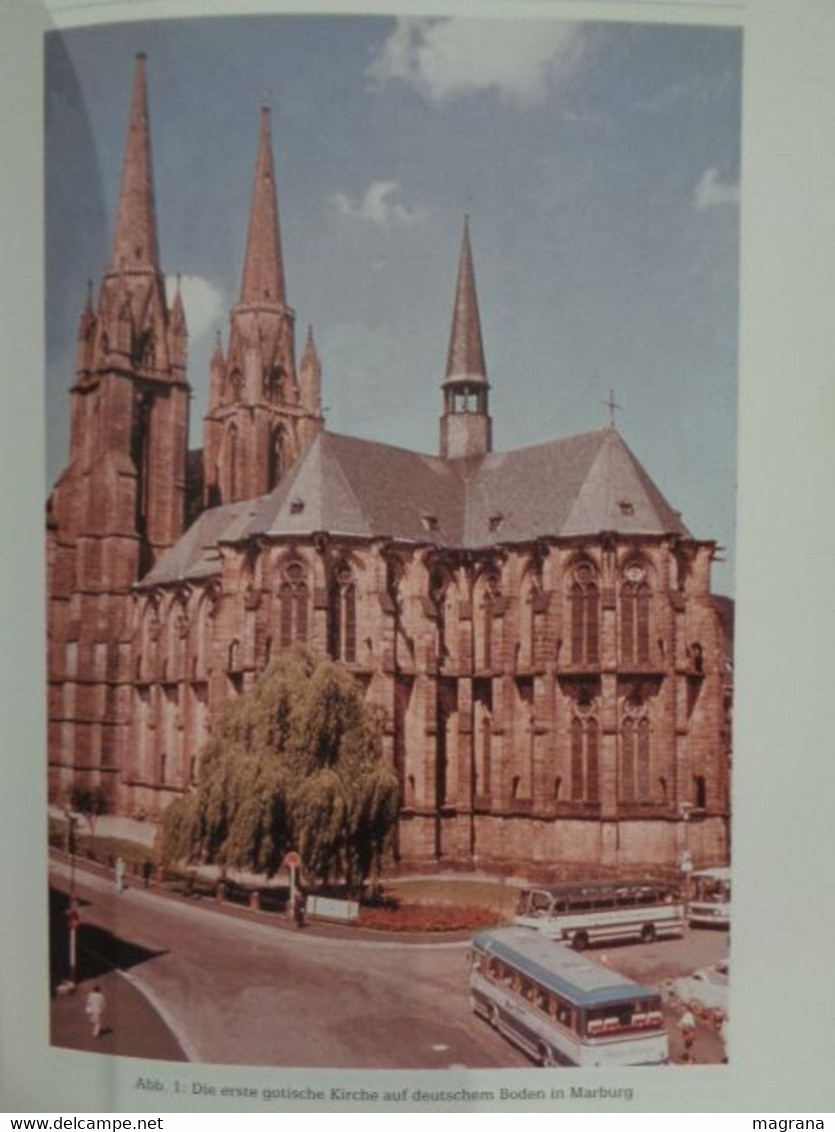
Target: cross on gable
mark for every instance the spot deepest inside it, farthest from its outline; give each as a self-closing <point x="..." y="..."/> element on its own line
<point x="612" y="405"/>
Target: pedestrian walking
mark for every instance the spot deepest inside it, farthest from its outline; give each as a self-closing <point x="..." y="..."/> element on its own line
<point x="119" y="874"/>
<point x="723" y="1034"/>
<point x="147" y="872"/>
<point x="94" y="1008"/>
<point x="299" y="906"/>
<point x="687" y="1028"/>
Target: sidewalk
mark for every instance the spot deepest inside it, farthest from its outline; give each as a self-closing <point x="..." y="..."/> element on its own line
<point x="132" y="1026"/>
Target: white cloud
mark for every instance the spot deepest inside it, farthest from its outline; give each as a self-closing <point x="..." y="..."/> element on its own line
<point x="443" y="59"/>
<point x="379" y="206"/>
<point x="712" y="190"/>
<point x="204" y="304"/>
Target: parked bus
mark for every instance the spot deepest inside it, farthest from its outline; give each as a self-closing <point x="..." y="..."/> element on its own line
<point x="710" y="898"/>
<point x="561" y="1008"/>
<point x="580" y="914"/>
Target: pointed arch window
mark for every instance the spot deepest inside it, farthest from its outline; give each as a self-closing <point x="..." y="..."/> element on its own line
<point x="439" y="583"/>
<point x="584" y="598"/>
<point x="276" y="458"/>
<point x="141" y="455"/>
<point x="533" y="637"/>
<point x="274" y="384"/>
<point x="492" y="599"/>
<point x="293" y="605"/>
<point x="232" y="447"/>
<point x="486" y="783"/>
<point x="343" y="615"/>
<point x="635" y="752"/>
<point x="635" y="610"/>
<point x="585" y="756"/>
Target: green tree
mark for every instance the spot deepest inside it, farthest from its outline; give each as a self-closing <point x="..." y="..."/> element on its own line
<point x="295" y="763"/>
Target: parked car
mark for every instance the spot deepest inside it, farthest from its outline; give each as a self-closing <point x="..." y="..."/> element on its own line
<point x="705" y="991"/>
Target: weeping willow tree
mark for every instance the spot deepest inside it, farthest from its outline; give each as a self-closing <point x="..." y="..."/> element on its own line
<point x="294" y="764"/>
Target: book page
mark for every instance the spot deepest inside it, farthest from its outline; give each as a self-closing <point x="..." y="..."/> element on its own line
<point x="484" y="359"/>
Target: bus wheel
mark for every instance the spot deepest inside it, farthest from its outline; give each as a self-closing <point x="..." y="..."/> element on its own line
<point x="580" y="941"/>
<point x="546" y="1056"/>
<point x="648" y="933"/>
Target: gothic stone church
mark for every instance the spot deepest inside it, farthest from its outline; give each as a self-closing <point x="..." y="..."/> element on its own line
<point x="537" y="625"/>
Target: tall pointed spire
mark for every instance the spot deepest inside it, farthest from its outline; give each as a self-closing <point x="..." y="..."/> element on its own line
<point x="135" y="235"/>
<point x="263" y="277"/>
<point x="466" y="351"/>
<point x="466" y="427"/>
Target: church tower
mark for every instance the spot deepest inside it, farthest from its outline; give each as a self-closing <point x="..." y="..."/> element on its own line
<point x="466" y="427"/>
<point x="129" y="404"/>
<point x="259" y="418"/>
<point x="120" y="502"/>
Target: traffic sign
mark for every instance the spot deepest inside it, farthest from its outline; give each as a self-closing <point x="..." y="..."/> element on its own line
<point x="74" y="917"/>
<point x="292" y="860"/>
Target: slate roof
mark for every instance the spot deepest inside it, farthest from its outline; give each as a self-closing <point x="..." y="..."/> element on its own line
<point x="358" y="488"/>
<point x="195" y="554"/>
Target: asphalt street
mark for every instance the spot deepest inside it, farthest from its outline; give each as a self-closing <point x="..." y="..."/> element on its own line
<point x="236" y="991"/>
<point x="185" y="980"/>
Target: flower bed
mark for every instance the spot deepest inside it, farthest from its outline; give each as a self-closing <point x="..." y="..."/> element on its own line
<point x="428" y="918"/>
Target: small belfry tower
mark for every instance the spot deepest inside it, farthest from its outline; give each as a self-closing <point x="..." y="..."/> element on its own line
<point x="120" y="502"/>
<point x="466" y="427"/>
<point x="260" y="418"/>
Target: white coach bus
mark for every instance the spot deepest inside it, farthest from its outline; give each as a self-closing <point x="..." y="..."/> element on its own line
<point x="561" y="1008"/>
<point x="580" y="914"/>
<point x="710" y="898"/>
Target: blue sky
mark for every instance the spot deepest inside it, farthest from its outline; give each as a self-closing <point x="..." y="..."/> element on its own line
<point x="599" y="164"/>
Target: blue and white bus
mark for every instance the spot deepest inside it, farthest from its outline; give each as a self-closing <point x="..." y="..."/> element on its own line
<point x="561" y="1008"/>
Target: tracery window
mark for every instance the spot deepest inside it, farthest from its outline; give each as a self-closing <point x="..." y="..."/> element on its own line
<point x="635" y="605"/>
<point x="492" y="597"/>
<point x="584" y="598"/>
<point x="293" y="605"/>
<point x="232" y="461"/>
<point x="585" y="752"/>
<point x="635" y="752"/>
<point x="275" y="458"/>
<point x="343" y="615"/>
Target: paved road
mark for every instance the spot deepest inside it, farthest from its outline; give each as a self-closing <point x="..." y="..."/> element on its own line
<point x="242" y="992"/>
<point x="238" y="991"/>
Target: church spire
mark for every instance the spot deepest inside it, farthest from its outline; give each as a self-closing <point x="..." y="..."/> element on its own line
<point x="465" y="358"/>
<point x="263" y="276"/>
<point x="135" y="235"/>
<point x="466" y="427"/>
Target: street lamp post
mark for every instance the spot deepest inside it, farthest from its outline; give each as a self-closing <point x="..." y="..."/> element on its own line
<point x="72" y="915"/>
<point x="686" y="856"/>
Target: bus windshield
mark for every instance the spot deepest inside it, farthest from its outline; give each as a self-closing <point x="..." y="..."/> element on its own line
<point x="713" y="886"/>
<point x="710" y="898"/>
